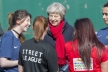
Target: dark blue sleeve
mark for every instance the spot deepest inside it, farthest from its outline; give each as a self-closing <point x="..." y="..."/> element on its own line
<point x="98" y="33"/>
<point x="99" y="36"/>
<point x="6" y="46"/>
<point x="102" y="36"/>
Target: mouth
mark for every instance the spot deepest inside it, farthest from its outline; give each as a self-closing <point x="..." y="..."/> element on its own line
<point x="54" y="21"/>
<point x="105" y="20"/>
<point x="27" y="26"/>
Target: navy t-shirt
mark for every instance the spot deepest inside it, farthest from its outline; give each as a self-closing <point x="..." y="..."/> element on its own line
<point x="102" y="35"/>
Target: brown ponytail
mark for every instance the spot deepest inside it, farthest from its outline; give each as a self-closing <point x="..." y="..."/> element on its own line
<point x="39" y="26"/>
<point x="10" y="16"/>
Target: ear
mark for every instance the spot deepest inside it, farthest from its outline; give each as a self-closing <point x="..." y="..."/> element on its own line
<point x="18" y="21"/>
<point x="62" y="17"/>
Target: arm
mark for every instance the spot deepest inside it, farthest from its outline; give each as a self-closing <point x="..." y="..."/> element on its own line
<point x="20" y="68"/>
<point x="8" y="63"/>
<point x="104" y="66"/>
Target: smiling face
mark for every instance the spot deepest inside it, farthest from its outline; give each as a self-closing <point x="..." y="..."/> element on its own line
<point x="54" y="18"/>
<point x="105" y="14"/>
<point x="25" y="24"/>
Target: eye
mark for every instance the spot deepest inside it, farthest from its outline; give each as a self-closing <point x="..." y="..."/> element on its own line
<point x="106" y="14"/>
<point x="28" y="20"/>
<point x="55" y="16"/>
<point x="50" y="15"/>
<point x="102" y="13"/>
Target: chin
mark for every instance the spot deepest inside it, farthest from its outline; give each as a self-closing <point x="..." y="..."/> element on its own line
<point x="24" y="30"/>
<point x="54" y="24"/>
<point x="107" y="23"/>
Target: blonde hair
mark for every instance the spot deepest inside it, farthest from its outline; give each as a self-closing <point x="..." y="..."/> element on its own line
<point x="10" y="16"/>
<point x="56" y="7"/>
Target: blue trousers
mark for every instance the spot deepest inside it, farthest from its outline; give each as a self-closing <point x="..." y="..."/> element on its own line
<point x="64" y="68"/>
<point x="1" y="70"/>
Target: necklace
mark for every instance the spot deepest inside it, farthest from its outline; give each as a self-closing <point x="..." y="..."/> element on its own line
<point x="16" y="32"/>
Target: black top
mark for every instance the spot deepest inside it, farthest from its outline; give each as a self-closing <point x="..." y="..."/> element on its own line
<point x="38" y="56"/>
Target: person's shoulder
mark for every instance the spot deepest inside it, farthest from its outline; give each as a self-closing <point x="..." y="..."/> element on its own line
<point x="45" y="43"/>
<point x="68" y="46"/>
<point x="68" y="26"/>
<point x="103" y="29"/>
<point x="8" y="34"/>
<point x="26" y="42"/>
<point x="68" y="43"/>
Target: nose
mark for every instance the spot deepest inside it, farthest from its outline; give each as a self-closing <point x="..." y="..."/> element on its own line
<point x="29" y="24"/>
<point x="104" y="16"/>
<point x="53" y="18"/>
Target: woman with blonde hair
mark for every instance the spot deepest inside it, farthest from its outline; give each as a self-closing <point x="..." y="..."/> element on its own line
<point x="59" y="32"/>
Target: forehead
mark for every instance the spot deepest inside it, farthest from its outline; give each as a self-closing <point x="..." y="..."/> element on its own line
<point x="26" y="18"/>
<point x="57" y="14"/>
<point x="105" y="10"/>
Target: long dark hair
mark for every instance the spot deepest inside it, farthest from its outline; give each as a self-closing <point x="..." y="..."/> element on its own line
<point x="85" y="34"/>
<point x="17" y="15"/>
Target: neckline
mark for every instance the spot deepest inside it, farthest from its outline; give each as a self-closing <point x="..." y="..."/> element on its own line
<point x="16" y="32"/>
